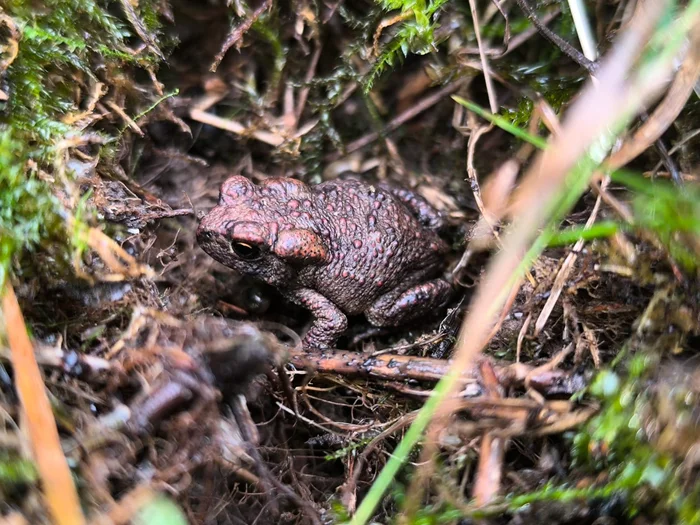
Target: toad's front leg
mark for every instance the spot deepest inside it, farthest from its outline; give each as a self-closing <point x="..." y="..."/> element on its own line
<point x="328" y="321"/>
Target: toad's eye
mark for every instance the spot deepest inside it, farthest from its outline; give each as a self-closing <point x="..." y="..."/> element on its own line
<point x="248" y="252"/>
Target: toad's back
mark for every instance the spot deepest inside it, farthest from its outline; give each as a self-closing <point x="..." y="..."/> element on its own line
<point x="376" y="243"/>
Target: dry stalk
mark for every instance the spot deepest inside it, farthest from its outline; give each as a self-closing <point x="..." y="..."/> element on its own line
<point x="567" y="267"/>
<point x="422" y="105"/>
<point x="235" y="127"/>
<point x="237" y="33"/>
<point x="59" y="490"/>
<point x="490" y="468"/>
<point x="402" y="368"/>
<point x="668" y="109"/>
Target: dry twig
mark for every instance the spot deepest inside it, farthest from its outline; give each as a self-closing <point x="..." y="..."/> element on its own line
<point x="488" y="474"/>
<point x="403" y="368"/>
<point x="235" y="127"/>
<point x="237" y="33"/>
<point x="567" y="267"/>
<point x="423" y="104"/>
<point x="566" y="48"/>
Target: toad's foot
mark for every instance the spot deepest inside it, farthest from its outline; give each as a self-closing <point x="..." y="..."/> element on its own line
<point x="396" y="308"/>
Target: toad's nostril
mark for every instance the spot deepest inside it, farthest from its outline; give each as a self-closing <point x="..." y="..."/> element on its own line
<point x="205" y="235"/>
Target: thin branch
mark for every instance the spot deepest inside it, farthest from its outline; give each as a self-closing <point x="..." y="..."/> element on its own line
<point x="493" y="101"/>
<point x="237" y="33"/>
<point x="393" y="367"/>
<point x="566" y="48"/>
<point x="407" y="115"/>
<point x="235" y="127"/>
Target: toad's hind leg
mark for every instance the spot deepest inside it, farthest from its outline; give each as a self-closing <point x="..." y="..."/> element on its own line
<point x="421" y="209"/>
<point x="396" y="308"/>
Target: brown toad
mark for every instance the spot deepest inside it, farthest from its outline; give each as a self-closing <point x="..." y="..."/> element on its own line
<point x="341" y="247"/>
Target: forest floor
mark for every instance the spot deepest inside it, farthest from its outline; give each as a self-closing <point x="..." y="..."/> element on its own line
<point x="178" y="391"/>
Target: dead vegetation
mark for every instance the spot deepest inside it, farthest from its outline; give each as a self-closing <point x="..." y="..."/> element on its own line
<point x="562" y="383"/>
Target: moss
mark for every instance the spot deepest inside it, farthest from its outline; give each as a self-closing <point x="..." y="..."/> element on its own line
<point x="63" y="43"/>
<point x="29" y="213"/>
<point x="415" y="35"/>
<point x="615" y="441"/>
<point x="267" y="28"/>
<point x="58" y="42"/>
<point x="15" y="471"/>
<point x="672" y="213"/>
<point x="520" y="115"/>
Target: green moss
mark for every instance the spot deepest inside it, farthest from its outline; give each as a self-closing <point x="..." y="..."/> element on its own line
<point x="15" y="471"/>
<point x="671" y="212"/>
<point x="416" y="35"/>
<point x="29" y="213"/>
<point x="267" y="28"/>
<point x="330" y="90"/>
<point x="350" y="449"/>
<point x="554" y="89"/>
<point x="615" y="442"/>
<point x="521" y="115"/>
<point x="58" y="42"/>
<point x="62" y="44"/>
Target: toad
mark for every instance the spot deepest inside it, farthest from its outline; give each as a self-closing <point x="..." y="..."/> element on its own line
<point x="342" y="247"/>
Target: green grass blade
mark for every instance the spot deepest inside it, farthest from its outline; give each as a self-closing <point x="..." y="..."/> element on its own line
<point x="596" y="231"/>
<point x="502" y="123"/>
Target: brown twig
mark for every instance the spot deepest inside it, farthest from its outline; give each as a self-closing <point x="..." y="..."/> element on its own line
<point x="122" y="264"/>
<point x="490" y="468"/>
<point x="304" y="92"/>
<point x="126" y="118"/>
<point x="388" y="22"/>
<point x="567" y="266"/>
<point x="237" y="33"/>
<point x="493" y="101"/>
<point x="140" y="28"/>
<point x="506" y="33"/>
<point x="350" y="486"/>
<point x="403" y="368"/>
<point x="407" y="115"/>
<point x="666" y="158"/>
<point x="235" y="127"/>
<point x="678" y="145"/>
<point x="566" y="48"/>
